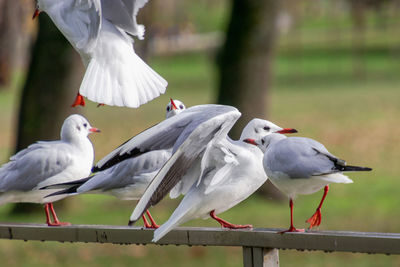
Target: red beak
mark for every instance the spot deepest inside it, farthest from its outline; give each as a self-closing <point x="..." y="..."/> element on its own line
<point x="287" y="130"/>
<point x="36" y="13"/>
<point x="94" y="130"/>
<point x="173" y="104"/>
<point x="250" y="141"/>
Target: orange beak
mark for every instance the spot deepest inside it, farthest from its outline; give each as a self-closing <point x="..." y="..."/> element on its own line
<point x="36" y="13"/>
<point x="173" y="104"/>
<point x="287" y="130"/>
<point x="94" y="130"/>
<point x="250" y="141"/>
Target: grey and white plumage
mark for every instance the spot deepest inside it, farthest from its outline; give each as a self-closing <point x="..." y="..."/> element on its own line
<point x="126" y="179"/>
<point x="213" y="172"/>
<point x="299" y="165"/>
<point x="101" y="31"/>
<point x="48" y="162"/>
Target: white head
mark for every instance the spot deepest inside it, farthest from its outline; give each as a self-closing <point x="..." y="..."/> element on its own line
<point x="266" y="141"/>
<point x="76" y="127"/>
<point x="258" y="128"/>
<point x="174" y="107"/>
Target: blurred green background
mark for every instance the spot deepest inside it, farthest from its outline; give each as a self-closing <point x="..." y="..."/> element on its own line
<point x="330" y="82"/>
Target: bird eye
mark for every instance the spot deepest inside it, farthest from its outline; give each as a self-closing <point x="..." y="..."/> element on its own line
<point x="267" y="128"/>
<point x="85" y="125"/>
<point x="168" y="108"/>
<point x="181" y="106"/>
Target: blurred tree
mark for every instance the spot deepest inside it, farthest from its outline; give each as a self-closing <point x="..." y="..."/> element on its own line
<point x="12" y="21"/>
<point x="244" y="62"/>
<point x="54" y="76"/>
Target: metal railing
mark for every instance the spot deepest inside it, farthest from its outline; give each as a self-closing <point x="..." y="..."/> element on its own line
<point x="260" y="246"/>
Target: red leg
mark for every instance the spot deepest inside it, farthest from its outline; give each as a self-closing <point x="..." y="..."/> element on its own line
<point x="315" y="219"/>
<point x="100" y="105"/>
<point x="46" y="210"/>
<point x="154" y="225"/>
<point x="225" y="224"/>
<point x="146" y="223"/>
<point x="291" y="228"/>
<point x="79" y="101"/>
<point x="56" y="221"/>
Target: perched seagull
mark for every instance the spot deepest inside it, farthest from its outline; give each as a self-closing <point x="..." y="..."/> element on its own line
<point x="46" y="163"/>
<point x="299" y="165"/>
<point x="101" y="31"/>
<point x="128" y="179"/>
<point x="213" y="174"/>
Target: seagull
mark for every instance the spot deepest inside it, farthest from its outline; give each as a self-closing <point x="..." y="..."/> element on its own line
<point x="101" y="32"/>
<point x="214" y="174"/>
<point x="129" y="178"/>
<point x="299" y="165"/>
<point x="48" y="162"/>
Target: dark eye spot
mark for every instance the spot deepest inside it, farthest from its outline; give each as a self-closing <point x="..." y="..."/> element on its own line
<point x="168" y="108"/>
<point x="267" y="128"/>
<point x="78" y="127"/>
<point x="85" y="125"/>
<point x="255" y="129"/>
<point x="181" y="106"/>
<point x="262" y="141"/>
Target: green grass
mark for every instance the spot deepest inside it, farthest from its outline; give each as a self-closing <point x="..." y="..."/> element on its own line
<point x="318" y="93"/>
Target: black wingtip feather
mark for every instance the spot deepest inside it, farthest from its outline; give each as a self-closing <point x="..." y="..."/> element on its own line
<point x="356" y="169"/>
<point x="67" y="191"/>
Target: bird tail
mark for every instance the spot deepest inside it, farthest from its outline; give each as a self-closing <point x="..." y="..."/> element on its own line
<point x="129" y="83"/>
<point x="349" y="168"/>
<point x="181" y="215"/>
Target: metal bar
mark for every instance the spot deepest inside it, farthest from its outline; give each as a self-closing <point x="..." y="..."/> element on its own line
<point x="329" y="241"/>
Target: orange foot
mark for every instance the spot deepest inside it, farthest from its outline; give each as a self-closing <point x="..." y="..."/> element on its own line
<point x="315" y="220"/>
<point x="100" y="105"/>
<point x="291" y="229"/>
<point x="79" y="101"/>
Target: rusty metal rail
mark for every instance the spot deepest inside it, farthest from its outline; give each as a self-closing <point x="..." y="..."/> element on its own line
<point x="260" y="246"/>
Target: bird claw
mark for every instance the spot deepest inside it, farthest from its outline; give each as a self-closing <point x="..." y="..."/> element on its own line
<point x="236" y="226"/>
<point x="291" y="229"/>
<point x="79" y="101"/>
<point x="315" y="219"/>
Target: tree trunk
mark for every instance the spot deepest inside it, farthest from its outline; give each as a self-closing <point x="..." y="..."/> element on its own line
<point x="244" y="62"/>
<point x="54" y="76"/>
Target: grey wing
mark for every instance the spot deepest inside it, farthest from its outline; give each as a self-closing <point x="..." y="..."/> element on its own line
<point x="126" y="172"/>
<point x="167" y="134"/>
<point x="83" y="24"/>
<point x="122" y="13"/>
<point x="300" y="157"/>
<point x="185" y="157"/>
<point x="34" y="165"/>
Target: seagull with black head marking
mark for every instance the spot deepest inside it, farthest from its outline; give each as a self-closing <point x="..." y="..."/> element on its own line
<point x="299" y="165"/>
<point x="127" y="179"/>
<point x="101" y="32"/>
<point x="46" y="163"/>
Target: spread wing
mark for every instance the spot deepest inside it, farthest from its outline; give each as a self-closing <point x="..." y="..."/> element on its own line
<point x="34" y="165"/>
<point x="126" y="172"/>
<point x="185" y="158"/>
<point x="170" y="133"/>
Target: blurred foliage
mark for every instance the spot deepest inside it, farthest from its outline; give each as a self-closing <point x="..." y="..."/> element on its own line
<point x="343" y="95"/>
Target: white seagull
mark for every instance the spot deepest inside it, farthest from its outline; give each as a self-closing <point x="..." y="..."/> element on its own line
<point x="299" y="165"/>
<point x="48" y="162"/>
<point x="213" y="175"/>
<point x="101" y="32"/>
<point x="128" y="179"/>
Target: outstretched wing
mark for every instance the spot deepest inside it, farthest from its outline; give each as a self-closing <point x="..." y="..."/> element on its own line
<point x="185" y="157"/>
<point x="170" y="133"/>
